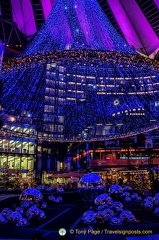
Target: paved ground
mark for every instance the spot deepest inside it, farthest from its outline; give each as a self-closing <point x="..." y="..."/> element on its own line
<point x="4" y="196"/>
<point x="68" y="216"/>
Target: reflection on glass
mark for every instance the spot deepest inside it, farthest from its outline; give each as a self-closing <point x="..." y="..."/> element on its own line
<point x="31" y="147"/>
<point x="25" y="147"/>
<point x="18" y="147"/>
<point x="24" y="163"/>
<point x="30" y="164"/>
<point x="5" y="145"/>
<point x="4" y="161"/>
<point x="17" y="162"/>
<point x="12" y="146"/>
<point x="11" y="162"/>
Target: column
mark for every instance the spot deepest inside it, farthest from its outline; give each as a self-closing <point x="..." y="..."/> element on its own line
<point x="38" y="168"/>
<point x="88" y="159"/>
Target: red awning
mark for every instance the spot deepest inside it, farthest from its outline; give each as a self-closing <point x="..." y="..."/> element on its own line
<point x="67" y="175"/>
<point x="72" y="174"/>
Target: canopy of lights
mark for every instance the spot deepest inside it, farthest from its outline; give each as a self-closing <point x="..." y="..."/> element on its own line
<point x="79" y="80"/>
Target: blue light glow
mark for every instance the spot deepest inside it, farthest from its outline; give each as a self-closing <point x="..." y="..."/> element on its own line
<point x="98" y="88"/>
<point x="88" y="19"/>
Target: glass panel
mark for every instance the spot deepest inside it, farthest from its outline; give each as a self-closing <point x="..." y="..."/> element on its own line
<point x="5" y="145"/>
<point x="12" y="145"/>
<point x="19" y="129"/>
<point x="4" y="162"/>
<point x="26" y="130"/>
<point x="32" y="131"/>
<point x="24" y="163"/>
<point x="30" y="163"/>
<point x="0" y="160"/>
<point x="18" y="146"/>
<point x="1" y="144"/>
<point x="25" y="147"/>
<point x="17" y="162"/>
<point x="31" y="147"/>
<point x="11" y="162"/>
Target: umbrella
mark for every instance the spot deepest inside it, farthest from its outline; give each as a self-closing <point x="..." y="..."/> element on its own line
<point x="67" y="175"/>
<point x="71" y="174"/>
<point x="57" y="175"/>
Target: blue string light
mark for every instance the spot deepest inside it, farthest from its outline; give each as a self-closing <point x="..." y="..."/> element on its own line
<point x="73" y="87"/>
<point x="69" y="17"/>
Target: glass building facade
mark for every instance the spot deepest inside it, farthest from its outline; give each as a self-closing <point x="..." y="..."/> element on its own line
<point x="17" y="148"/>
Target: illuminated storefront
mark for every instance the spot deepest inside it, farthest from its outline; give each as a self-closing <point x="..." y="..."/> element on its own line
<point x="17" y="149"/>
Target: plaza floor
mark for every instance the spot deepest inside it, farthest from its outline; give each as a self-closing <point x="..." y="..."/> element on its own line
<point x="69" y="216"/>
